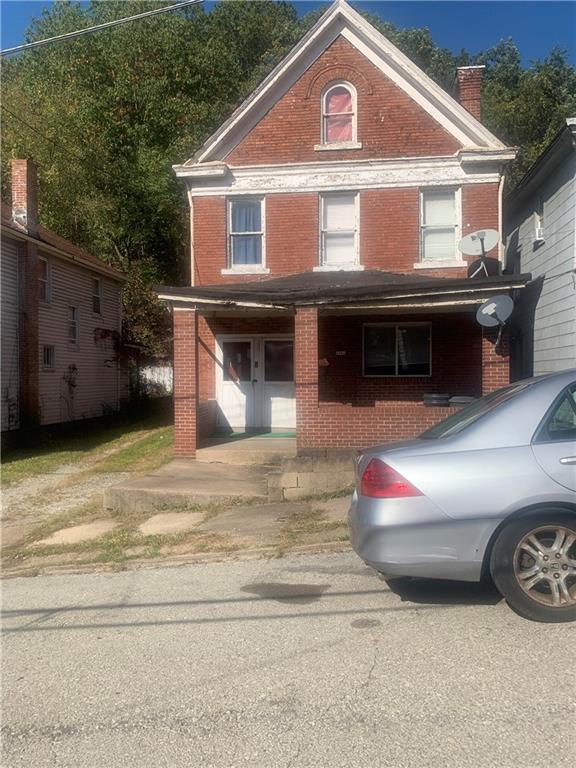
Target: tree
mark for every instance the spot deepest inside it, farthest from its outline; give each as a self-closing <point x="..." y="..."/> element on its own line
<point x="106" y="115"/>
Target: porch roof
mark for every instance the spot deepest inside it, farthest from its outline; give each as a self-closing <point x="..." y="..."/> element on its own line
<point x="342" y="289"/>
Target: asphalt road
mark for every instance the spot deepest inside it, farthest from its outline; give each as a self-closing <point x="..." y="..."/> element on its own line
<point x="303" y="661"/>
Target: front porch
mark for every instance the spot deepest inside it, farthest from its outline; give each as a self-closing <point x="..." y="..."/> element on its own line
<point x="356" y="360"/>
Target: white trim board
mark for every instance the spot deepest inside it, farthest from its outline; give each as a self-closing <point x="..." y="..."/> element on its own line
<point x="342" y="19"/>
<point x="342" y="176"/>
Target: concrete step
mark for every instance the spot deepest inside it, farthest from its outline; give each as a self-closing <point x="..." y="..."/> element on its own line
<point x="184" y="482"/>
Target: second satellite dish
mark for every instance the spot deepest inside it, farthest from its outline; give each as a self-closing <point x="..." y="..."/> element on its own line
<point x="495" y="311"/>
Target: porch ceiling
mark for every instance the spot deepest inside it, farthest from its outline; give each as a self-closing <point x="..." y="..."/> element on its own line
<point x="339" y="290"/>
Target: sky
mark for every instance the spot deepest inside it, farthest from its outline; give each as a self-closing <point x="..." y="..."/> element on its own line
<point x="536" y="27"/>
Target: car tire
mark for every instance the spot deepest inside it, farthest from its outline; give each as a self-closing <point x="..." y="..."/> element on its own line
<point x="533" y="565"/>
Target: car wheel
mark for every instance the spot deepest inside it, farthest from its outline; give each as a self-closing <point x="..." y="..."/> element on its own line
<point x="534" y="566"/>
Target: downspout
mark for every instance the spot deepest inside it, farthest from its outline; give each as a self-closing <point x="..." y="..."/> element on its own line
<point x="192" y="262"/>
<point x="501" y="251"/>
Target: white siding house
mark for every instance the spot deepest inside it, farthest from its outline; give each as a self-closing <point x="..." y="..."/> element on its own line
<point x="61" y="321"/>
<point x="540" y="228"/>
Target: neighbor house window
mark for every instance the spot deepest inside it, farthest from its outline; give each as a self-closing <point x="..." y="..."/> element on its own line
<point x="73" y="325"/>
<point x="44" y="279"/>
<point x="246" y="234"/>
<point x="339" y="230"/>
<point x="339" y="114"/>
<point x="96" y="296"/>
<point x="397" y="350"/>
<point x="439" y="225"/>
<point x="48" y="357"/>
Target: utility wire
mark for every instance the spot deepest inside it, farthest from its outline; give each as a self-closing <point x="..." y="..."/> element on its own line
<point x="98" y="27"/>
<point x="42" y="135"/>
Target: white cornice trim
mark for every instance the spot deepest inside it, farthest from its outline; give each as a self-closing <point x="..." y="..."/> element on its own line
<point x="344" y="175"/>
<point x="340" y="18"/>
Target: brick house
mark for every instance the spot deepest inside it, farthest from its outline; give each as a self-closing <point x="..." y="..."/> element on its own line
<point x="328" y="294"/>
<point x="61" y="320"/>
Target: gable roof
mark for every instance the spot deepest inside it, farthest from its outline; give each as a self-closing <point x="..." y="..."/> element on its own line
<point x="63" y="247"/>
<point x="342" y="19"/>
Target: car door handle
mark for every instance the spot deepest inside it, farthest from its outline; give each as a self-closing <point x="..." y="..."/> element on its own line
<point x="568" y="460"/>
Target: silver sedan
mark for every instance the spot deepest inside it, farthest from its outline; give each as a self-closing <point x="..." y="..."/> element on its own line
<point x="488" y="492"/>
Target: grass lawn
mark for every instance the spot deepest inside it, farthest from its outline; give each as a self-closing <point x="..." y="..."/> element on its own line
<point x="111" y="446"/>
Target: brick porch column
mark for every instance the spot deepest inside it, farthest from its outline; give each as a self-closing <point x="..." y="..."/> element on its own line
<point x="306" y="374"/>
<point x="185" y="381"/>
<point x="495" y="363"/>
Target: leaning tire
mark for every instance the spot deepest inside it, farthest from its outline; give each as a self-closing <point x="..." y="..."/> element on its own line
<point x="533" y="565"/>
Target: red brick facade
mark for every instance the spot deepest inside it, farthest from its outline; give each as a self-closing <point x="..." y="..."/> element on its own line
<point x="336" y="405"/>
<point x="390" y="123"/>
<point x="389" y="231"/>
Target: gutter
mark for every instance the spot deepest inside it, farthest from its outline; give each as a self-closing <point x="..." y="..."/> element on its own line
<point x="334" y="301"/>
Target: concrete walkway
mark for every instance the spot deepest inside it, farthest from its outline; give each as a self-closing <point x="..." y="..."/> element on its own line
<point x="224" y="469"/>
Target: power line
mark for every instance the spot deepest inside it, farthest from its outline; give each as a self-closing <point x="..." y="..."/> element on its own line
<point x="98" y="27"/>
<point x="42" y="135"/>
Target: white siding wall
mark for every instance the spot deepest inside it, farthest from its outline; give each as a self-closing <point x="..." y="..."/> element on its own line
<point x="9" y="361"/>
<point x="98" y="386"/>
<point x="555" y="321"/>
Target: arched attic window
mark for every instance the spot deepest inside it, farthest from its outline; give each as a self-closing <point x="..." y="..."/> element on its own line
<point x="339" y="114"/>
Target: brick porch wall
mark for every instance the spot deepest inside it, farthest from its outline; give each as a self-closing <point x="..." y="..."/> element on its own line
<point x="348" y="411"/>
<point x="368" y="421"/>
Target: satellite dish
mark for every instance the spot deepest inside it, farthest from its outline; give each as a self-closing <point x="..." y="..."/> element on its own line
<point x="479" y="243"/>
<point x="495" y="311"/>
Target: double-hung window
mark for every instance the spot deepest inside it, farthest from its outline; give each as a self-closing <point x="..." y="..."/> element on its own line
<point x="339" y="230"/>
<point x="439" y="226"/>
<point x="246" y="234"/>
<point x="44" y="280"/>
<point x="96" y="296"/>
<point x="397" y="350"/>
<point x="48" y="358"/>
<point x="73" y="325"/>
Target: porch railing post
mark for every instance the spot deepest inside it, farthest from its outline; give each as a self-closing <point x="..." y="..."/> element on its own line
<point x="185" y="381"/>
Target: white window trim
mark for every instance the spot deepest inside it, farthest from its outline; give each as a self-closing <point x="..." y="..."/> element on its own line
<point x="245" y="269"/>
<point x="48" y="281"/>
<point x="456" y="260"/>
<point x="97" y="295"/>
<point x="76" y="323"/>
<point x="396" y="375"/>
<point x="352" y="265"/>
<point x="353" y="143"/>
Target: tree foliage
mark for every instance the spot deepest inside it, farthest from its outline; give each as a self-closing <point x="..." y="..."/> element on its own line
<point x="106" y="115"/>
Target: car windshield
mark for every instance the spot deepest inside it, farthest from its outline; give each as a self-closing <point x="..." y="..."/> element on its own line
<point x="473" y="412"/>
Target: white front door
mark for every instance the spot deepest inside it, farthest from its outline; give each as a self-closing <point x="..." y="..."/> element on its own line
<point x="236" y="388"/>
<point x="255" y="383"/>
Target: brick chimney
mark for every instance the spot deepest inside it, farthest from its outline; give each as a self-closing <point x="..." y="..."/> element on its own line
<point x="25" y="195"/>
<point x="469" y="88"/>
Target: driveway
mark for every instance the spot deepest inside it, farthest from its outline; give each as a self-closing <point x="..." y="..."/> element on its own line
<point x="301" y="661"/>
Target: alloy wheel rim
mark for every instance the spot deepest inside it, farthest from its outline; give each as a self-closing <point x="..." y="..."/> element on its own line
<point x="545" y="565"/>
